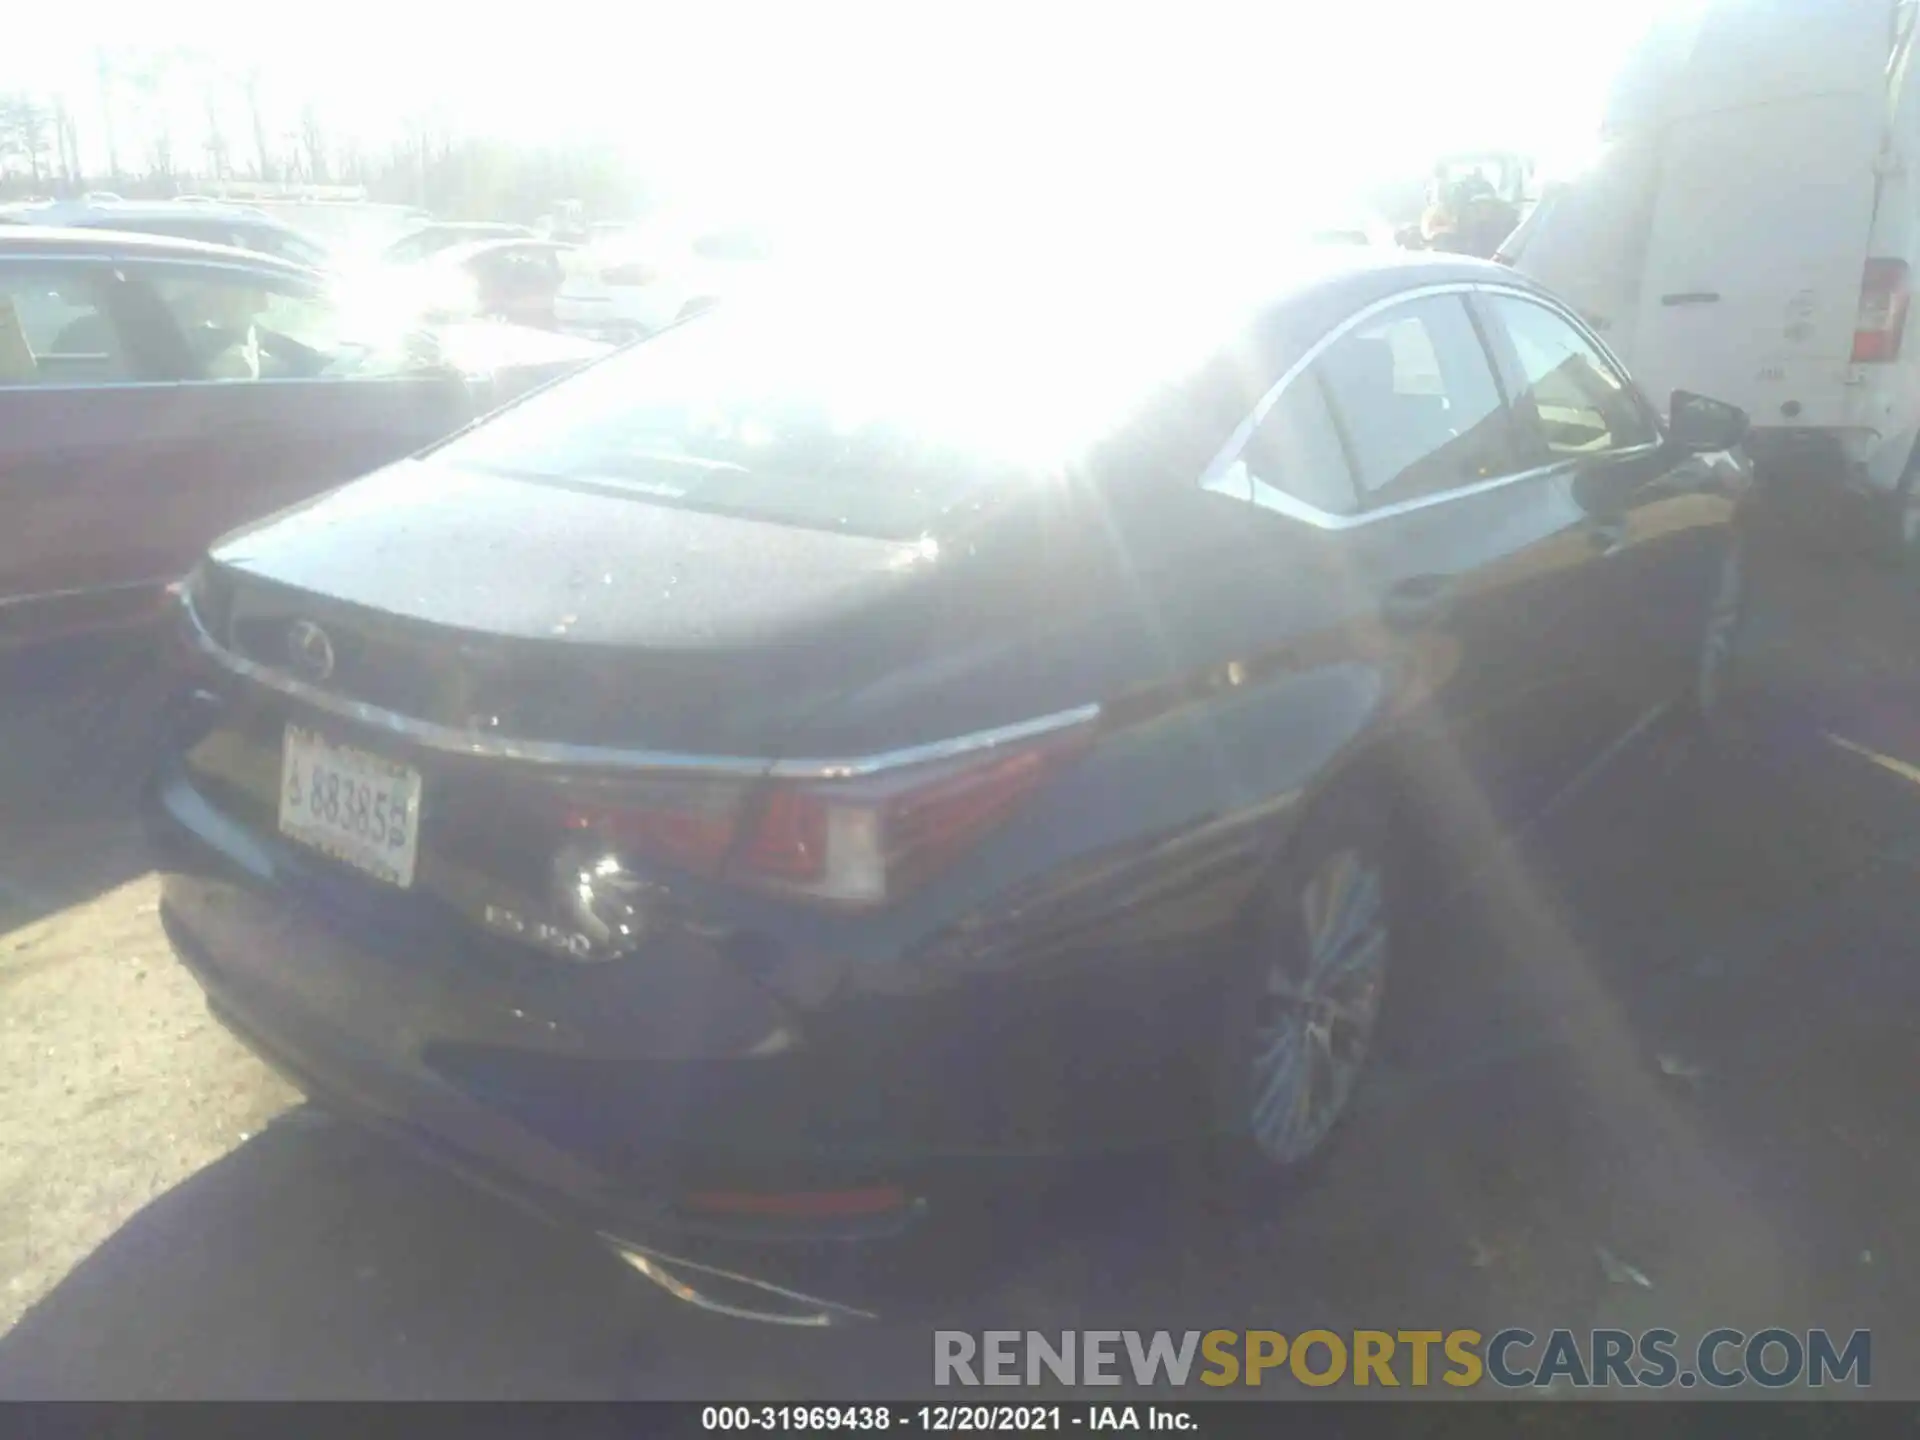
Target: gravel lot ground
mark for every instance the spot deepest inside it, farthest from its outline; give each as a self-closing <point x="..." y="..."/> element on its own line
<point x="1681" y="1035"/>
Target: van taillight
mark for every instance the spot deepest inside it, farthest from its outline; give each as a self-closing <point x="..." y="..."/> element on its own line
<point x="856" y="842"/>
<point x="1884" y="294"/>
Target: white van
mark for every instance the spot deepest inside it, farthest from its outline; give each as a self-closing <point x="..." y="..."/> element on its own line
<point x="1751" y="227"/>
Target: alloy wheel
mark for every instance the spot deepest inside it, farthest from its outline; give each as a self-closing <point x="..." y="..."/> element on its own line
<point x="1318" y="1007"/>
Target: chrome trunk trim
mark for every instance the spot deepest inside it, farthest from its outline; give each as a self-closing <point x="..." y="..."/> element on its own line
<point x="451" y="741"/>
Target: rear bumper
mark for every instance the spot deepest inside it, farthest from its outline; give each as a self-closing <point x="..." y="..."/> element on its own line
<point x="287" y="984"/>
<point x="667" y="1259"/>
<point x="545" y="1094"/>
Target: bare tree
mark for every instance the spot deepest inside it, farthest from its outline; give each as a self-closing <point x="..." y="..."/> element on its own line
<point x="262" y="151"/>
<point x="219" y="155"/>
<point x="67" y="142"/>
<point x="152" y="81"/>
<point x="313" y="140"/>
<point x="24" y="128"/>
<point x="107" y="72"/>
<point x="212" y="80"/>
<point x="353" y="162"/>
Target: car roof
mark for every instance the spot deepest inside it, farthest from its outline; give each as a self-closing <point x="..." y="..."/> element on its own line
<point x="97" y="242"/>
<point x="1226" y="287"/>
<point x="1052" y="360"/>
<point x="90" y="211"/>
<point x="490" y="227"/>
<point x="468" y="249"/>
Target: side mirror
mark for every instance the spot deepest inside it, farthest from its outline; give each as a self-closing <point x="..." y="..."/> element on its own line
<point x="1700" y="426"/>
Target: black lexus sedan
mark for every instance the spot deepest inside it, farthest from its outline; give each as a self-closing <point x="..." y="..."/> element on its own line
<point x="750" y="795"/>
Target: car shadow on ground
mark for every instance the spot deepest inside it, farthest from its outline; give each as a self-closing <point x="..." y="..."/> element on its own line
<point x="1661" y="1081"/>
<point x="317" y="1262"/>
<point x="80" y="721"/>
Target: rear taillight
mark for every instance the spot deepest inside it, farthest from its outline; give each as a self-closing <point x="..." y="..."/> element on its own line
<point x="856" y="842"/>
<point x="862" y="842"/>
<point x="1884" y="297"/>
<point x="629" y="274"/>
<point x="686" y="824"/>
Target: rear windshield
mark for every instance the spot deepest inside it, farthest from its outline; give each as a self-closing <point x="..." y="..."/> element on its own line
<point x="759" y="422"/>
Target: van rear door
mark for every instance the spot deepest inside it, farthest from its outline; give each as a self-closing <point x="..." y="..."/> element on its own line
<point x="1772" y="133"/>
<point x="1752" y="283"/>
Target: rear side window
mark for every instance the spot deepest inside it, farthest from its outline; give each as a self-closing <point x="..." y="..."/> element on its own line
<point x="1296" y="449"/>
<point x="55" y="327"/>
<point x="1582" y="404"/>
<point x="1413" y="392"/>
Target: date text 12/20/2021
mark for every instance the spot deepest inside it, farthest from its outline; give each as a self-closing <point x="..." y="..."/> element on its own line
<point x="946" y="1419"/>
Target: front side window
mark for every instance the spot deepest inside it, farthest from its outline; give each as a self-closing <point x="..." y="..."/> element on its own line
<point x="284" y="245"/>
<point x="202" y="231"/>
<point x="242" y="325"/>
<point x="55" y="328"/>
<point x="1584" y="406"/>
<point x="1414" y="394"/>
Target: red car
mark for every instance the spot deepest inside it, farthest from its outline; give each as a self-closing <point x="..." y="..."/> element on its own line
<point x="155" y="393"/>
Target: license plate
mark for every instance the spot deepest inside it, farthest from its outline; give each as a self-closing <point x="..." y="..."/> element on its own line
<point x="362" y="810"/>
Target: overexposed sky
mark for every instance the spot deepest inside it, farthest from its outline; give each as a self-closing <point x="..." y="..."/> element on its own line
<point x="1020" y="95"/>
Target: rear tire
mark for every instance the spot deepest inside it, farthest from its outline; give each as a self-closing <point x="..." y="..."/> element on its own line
<point x="1305" y="997"/>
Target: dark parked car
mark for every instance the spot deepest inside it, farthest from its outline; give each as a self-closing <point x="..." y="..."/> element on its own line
<point x="512" y="280"/>
<point x="155" y="393"/>
<point x="791" y="779"/>
<point x="209" y="222"/>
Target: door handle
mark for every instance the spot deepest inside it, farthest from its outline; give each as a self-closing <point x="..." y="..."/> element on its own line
<point x="1421" y="601"/>
<point x="1607" y="537"/>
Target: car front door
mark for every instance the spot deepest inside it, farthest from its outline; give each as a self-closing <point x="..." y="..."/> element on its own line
<point x="1661" y="521"/>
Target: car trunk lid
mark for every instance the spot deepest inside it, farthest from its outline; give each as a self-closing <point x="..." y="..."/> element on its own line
<point x="562" y="615"/>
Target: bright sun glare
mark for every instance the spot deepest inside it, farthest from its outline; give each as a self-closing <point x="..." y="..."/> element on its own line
<point x="843" y="106"/>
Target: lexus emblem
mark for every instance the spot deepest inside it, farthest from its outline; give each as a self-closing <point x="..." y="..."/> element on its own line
<point x="309" y="650"/>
